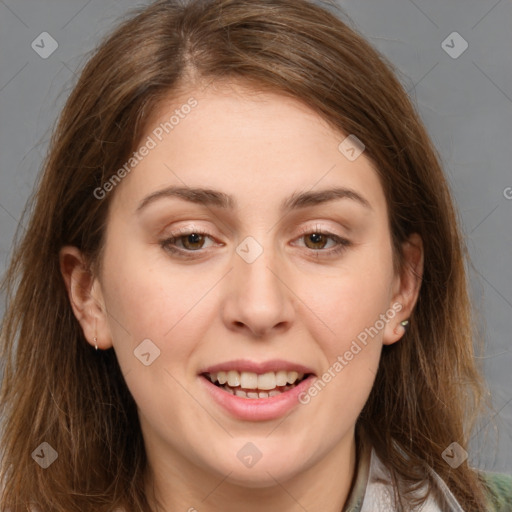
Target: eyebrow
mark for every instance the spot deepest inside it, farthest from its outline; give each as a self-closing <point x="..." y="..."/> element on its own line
<point x="215" y="198"/>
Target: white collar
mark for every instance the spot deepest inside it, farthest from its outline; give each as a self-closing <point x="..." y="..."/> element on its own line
<point x="379" y="494"/>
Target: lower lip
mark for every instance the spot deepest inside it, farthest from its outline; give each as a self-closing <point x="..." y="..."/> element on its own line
<point x="258" y="409"/>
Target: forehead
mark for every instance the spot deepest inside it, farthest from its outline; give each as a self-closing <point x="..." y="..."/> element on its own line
<point x="253" y="145"/>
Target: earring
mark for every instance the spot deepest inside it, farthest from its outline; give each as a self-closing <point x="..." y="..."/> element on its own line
<point x="96" y="342"/>
<point x="404" y="324"/>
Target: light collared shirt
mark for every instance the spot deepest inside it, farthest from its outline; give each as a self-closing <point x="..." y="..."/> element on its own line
<point x="373" y="491"/>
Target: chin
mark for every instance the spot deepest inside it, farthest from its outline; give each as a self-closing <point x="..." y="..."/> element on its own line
<point x="261" y="478"/>
<point x="262" y="473"/>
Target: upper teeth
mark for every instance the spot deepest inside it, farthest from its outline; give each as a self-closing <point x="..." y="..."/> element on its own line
<point x="250" y="380"/>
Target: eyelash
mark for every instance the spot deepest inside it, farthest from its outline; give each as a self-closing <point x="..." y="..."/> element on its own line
<point x="166" y="244"/>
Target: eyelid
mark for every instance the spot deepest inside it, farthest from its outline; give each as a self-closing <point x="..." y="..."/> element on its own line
<point x="318" y="229"/>
<point x="181" y="231"/>
<point x="328" y="231"/>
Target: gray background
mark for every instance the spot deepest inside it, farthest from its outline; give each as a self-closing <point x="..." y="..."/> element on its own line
<point x="465" y="102"/>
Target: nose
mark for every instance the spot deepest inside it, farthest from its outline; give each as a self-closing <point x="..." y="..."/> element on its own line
<point x="258" y="299"/>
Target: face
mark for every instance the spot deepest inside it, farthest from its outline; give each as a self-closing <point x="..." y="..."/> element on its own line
<point x="260" y="276"/>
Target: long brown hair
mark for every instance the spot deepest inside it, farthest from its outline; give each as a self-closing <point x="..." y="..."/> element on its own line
<point x="57" y="389"/>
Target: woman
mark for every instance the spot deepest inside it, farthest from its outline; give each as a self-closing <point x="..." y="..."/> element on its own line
<point x="242" y="283"/>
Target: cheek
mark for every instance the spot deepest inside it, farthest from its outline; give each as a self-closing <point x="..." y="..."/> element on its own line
<point x="155" y="312"/>
<point x="348" y="325"/>
<point x="349" y="334"/>
<point x="343" y="305"/>
<point x="149" y="297"/>
<point x="151" y="301"/>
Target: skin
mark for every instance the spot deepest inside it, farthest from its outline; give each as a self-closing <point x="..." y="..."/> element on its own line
<point x="293" y="302"/>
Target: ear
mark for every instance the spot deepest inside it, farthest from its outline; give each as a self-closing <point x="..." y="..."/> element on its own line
<point x="406" y="288"/>
<point x="85" y="296"/>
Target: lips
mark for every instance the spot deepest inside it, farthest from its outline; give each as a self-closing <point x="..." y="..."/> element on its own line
<point x="256" y="391"/>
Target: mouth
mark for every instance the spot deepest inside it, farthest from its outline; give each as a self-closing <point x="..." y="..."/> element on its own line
<point x="256" y="391"/>
<point x="251" y="385"/>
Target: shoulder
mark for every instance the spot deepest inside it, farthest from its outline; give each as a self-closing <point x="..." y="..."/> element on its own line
<point x="499" y="490"/>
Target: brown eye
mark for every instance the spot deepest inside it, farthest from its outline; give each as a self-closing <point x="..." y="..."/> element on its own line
<point x="317" y="243"/>
<point x="318" y="240"/>
<point x="192" y="241"/>
<point x="183" y="243"/>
